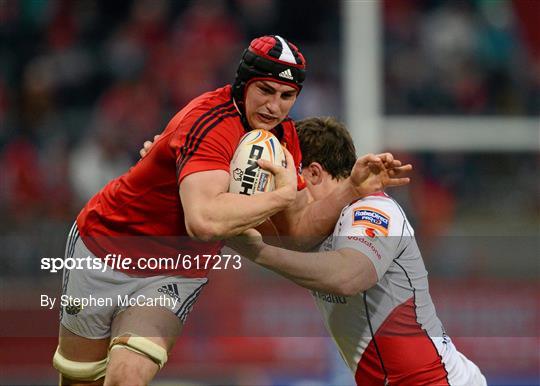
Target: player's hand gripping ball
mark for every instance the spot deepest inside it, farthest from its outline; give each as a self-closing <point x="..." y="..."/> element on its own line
<point x="246" y="177"/>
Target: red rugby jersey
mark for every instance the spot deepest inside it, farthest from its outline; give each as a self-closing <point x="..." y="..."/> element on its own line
<point x="139" y="214"/>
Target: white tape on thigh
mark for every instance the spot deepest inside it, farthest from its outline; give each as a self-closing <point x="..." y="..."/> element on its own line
<point x="141" y="345"/>
<point x="79" y="371"/>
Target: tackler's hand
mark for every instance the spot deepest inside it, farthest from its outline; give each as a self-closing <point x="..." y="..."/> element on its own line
<point x="249" y="243"/>
<point x="373" y="173"/>
<point x="147" y="145"/>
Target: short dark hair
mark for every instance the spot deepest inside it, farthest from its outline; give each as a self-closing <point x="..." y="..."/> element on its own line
<point x="326" y="140"/>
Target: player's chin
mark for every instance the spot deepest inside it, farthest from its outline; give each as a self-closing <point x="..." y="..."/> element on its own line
<point x="267" y="125"/>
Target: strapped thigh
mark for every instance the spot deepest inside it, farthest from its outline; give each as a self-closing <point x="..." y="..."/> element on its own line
<point x="141" y="345"/>
<point x="79" y="371"/>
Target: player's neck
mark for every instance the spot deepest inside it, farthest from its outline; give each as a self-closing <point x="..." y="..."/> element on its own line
<point x="325" y="188"/>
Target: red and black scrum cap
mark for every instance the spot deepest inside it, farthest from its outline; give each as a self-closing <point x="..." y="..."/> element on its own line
<point x="270" y="57"/>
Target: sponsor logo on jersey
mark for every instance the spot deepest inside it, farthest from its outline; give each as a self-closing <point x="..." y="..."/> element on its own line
<point x="329" y="298"/>
<point x="367" y="243"/>
<point x="372" y="218"/>
<point x="370" y="232"/>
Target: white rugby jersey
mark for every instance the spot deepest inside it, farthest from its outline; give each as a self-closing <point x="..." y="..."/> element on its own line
<point x="390" y="334"/>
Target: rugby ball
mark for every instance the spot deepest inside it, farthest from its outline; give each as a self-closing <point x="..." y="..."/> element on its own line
<point x="246" y="177"/>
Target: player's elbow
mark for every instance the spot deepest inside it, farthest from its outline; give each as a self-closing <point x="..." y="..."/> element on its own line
<point x="354" y="274"/>
<point x="352" y="285"/>
<point x="198" y="233"/>
<point x="346" y="289"/>
<point x="203" y="230"/>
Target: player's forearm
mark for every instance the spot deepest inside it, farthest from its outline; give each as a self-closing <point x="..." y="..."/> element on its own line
<point x="230" y="214"/>
<point x="331" y="272"/>
<point x="316" y="220"/>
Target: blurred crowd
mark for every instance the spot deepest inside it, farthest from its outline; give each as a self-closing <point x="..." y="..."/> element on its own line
<point x="84" y="83"/>
<point x="478" y="57"/>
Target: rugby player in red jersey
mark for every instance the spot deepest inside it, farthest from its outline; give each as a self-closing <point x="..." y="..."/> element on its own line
<point x="368" y="278"/>
<point x="175" y="201"/>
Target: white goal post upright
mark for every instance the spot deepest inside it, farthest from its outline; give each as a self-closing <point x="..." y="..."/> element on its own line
<point x="362" y="61"/>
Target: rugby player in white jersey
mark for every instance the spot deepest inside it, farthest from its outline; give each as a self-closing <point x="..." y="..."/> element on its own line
<point x="368" y="279"/>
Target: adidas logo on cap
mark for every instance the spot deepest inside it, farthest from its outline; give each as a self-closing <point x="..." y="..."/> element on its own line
<point x="287" y="74"/>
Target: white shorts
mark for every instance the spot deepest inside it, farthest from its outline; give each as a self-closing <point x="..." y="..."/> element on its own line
<point x="91" y="298"/>
<point x="461" y="371"/>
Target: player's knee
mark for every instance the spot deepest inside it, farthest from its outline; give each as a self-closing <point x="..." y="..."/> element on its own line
<point x="78" y="371"/>
<point x="124" y="370"/>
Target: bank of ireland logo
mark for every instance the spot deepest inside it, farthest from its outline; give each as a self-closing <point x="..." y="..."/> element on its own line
<point x="372" y="218"/>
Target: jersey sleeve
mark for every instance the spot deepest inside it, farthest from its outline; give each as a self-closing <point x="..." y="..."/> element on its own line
<point x="204" y="147"/>
<point x="373" y="226"/>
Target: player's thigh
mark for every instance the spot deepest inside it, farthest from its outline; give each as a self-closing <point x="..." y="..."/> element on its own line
<point x="79" y="349"/>
<point x="157" y="324"/>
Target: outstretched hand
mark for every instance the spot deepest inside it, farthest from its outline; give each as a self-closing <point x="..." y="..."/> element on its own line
<point x="373" y="173"/>
<point x="395" y="170"/>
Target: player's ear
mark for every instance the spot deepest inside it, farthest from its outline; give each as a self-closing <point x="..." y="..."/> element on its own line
<point x="313" y="173"/>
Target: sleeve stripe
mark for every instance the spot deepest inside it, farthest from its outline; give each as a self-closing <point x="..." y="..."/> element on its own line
<point x="203" y="120"/>
<point x="201" y="137"/>
<point x="186" y="150"/>
<point x="200" y="122"/>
